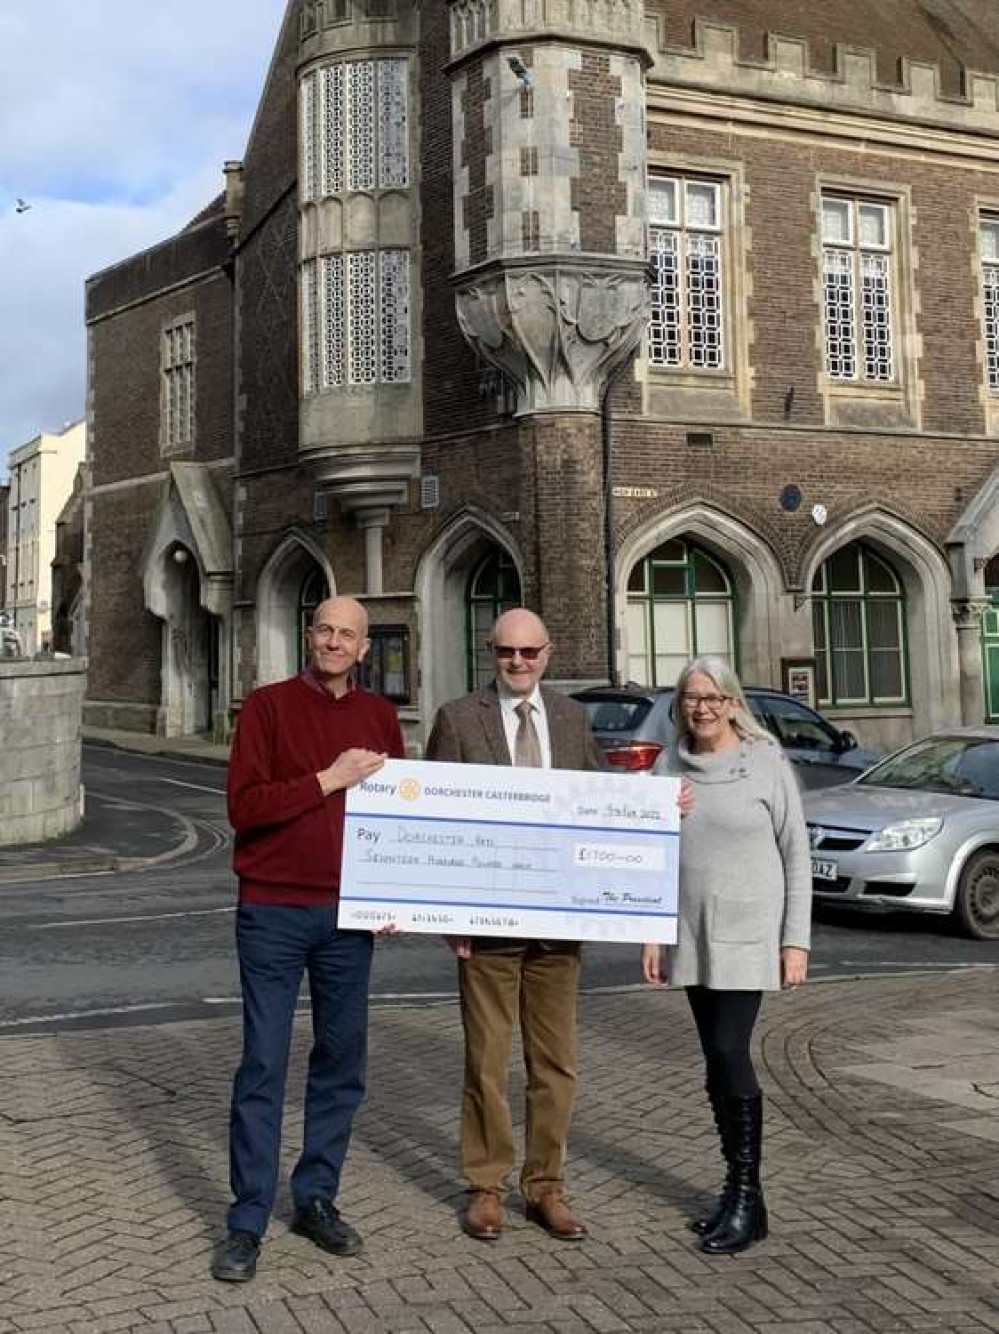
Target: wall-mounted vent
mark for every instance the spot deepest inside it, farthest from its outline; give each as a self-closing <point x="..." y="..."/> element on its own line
<point x="700" y="440"/>
<point x="430" y="491"/>
<point x="320" y="506"/>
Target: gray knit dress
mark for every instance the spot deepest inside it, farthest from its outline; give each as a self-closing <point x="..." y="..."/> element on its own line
<point x="745" y="869"/>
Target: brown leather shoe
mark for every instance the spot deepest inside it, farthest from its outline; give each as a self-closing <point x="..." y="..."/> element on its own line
<point x="551" y="1212"/>
<point x="483" y="1216"/>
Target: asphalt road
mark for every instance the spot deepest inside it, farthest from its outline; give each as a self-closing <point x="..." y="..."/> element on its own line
<point x="156" y="945"/>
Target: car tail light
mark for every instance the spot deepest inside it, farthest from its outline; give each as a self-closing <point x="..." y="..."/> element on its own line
<point x="635" y="757"/>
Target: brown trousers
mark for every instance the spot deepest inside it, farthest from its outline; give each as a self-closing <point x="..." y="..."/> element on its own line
<point x="537" y="984"/>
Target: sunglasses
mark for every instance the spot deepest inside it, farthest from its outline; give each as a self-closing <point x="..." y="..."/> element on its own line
<point x="528" y="654"/>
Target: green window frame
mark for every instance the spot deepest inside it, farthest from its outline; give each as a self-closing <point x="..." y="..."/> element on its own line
<point x="681" y="604"/>
<point x="859" y="630"/>
<point x="493" y="587"/>
<point x="311" y="592"/>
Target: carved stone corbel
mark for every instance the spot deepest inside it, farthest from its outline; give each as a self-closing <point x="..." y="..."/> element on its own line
<point x="558" y="331"/>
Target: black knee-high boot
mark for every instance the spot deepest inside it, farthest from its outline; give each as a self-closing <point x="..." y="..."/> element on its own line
<point x="745" y="1220"/>
<point x="709" y="1221"/>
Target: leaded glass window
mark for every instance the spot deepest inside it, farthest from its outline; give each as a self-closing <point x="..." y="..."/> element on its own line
<point x="989" y="244"/>
<point x="310" y="138"/>
<point x="857" y="277"/>
<point x="686" y="330"/>
<point x="333" y="322"/>
<point x="310" y="326"/>
<point x="356" y="320"/>
<point x="362" y="319"/>
<point x="858" y="625"/>
<point x="493" y="588"/>
<point x="394" y="316"/>
<point x="355" y="127"/>
<point x="681" y="604"/>
<point x="332" y="136"/>
<point x="393" y="124"/>
<point x="361" y="125"/>
<point x="178" y="385"/>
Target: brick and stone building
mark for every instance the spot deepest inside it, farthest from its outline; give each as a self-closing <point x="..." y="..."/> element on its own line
<point x="68" y="628"/>
<point x="42" y="473"/>
<point x="4" y="514"/>
<point x="676" y="321"/>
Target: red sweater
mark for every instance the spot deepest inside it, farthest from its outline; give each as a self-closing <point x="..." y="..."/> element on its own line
<point x="289" y="837"/>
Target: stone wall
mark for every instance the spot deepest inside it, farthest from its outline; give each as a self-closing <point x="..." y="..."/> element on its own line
<point x="40" y="720"/>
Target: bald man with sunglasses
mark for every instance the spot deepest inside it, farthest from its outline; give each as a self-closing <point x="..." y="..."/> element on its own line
<point x="517" y="721"/>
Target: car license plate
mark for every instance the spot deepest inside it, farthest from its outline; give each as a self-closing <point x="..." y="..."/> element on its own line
<point x="822" y="870"/>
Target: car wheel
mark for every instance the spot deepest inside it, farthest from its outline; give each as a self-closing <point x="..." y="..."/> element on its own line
<point x="977" y="903"/>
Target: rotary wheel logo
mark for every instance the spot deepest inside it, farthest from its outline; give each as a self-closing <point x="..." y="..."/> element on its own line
<point x="409" y="789"/>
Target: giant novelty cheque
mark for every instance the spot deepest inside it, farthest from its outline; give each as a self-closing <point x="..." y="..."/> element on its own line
<point x="474" y="849"/>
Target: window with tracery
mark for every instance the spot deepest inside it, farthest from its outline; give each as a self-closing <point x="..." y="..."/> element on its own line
<point x="858" y="624"/>
<point x="686" y="330"/>
<point x="493" y="588"/>
<point x="681" y="605"/>
<point x="989" y="249"/>
<point x="356" y="319"/>
<point x="857" y="280"/>
<point x="177" y="359"/>
<point x="355" y="127"/>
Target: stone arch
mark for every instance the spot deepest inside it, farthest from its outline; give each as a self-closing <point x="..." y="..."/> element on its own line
<point x="441" y="577"/>
<point x="278" y="588"/>
<point x="934" y="675"/>
<point x="186" y="574"/>
<point x="749" y="560"/>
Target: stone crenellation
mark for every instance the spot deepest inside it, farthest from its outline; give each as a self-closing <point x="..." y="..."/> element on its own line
<point x="787" y="75"/>
<point x="477" y="22"/>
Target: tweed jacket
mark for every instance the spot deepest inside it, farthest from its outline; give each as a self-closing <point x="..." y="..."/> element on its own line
<point x="469" y="730"/>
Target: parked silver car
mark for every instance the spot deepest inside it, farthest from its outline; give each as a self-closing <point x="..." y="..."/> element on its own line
<point x="919" y="832"/>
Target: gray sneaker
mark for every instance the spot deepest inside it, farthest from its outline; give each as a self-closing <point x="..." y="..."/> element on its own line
<point x="320" y="1221"/>
<point x="235" y="1261"/>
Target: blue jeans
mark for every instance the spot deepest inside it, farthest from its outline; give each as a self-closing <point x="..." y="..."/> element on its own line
<point x="276" y="946"/>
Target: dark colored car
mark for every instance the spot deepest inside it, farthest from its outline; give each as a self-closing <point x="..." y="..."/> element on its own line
<point x="633" y="726"/>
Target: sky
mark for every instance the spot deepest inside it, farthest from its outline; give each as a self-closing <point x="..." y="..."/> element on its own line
<point x="115" y="120"/>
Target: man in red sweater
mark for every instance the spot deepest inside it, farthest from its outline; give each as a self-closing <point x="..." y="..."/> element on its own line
<point x="298" y="746"/>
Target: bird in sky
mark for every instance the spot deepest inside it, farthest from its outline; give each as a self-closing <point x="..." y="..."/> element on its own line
<point x="21" y="206"/>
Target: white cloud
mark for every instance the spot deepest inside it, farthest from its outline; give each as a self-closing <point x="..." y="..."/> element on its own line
<point x="117" y="137"/>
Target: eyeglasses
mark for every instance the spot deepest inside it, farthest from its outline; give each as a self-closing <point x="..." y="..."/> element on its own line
<point x="528" y="654"/>
<point x="711" y="702"/>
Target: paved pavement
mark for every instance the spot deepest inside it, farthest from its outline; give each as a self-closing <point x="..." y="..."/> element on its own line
<point x="881" y="1174"/>
<point x="881" y="1169"/>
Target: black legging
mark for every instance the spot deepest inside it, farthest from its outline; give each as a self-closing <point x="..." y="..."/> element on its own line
<point x="725" y="1022"/>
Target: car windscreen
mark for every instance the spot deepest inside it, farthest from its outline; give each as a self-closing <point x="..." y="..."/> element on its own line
<point x="614" y="715"/>
<point x="961" y="766"/>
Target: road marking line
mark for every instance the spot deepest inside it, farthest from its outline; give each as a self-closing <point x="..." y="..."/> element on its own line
<point x="198" y="787"/>
<point x="113" y="921"/>
<point x="86" y="1014"/>
<point x="912" y="964"/>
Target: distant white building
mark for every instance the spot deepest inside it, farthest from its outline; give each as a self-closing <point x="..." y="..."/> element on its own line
<point x="41" y="480"/>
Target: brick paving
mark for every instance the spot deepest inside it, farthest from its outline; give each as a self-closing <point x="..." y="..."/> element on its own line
<point x="881" y="1173"/>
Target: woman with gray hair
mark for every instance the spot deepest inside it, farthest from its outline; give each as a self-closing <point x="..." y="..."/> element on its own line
<point x="745" y="916"/>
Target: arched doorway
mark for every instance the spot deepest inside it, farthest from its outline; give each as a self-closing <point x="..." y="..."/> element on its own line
<point x="191" y="651"/>
<point x="681" y="605"/>
<point x="312" y="592"/>
<point x="493" y="587"/>
<point x="296" y="578"/>
<point x="444" y="578"/>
